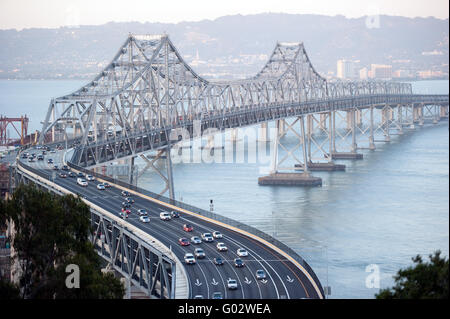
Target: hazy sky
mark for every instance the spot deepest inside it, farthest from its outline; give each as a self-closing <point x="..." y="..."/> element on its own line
<point x="21" y="14"/>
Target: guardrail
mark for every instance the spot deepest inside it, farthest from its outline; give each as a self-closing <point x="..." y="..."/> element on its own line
<point x="208" y="214"/>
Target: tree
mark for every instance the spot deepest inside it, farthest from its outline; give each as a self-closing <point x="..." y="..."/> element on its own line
<point x="52" y="232"/>
<point x="426" y="280"/>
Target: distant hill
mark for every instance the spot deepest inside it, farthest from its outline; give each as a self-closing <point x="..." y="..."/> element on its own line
<point x="231" y="45"/>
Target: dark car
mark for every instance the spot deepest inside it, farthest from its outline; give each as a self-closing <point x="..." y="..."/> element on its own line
<point x="125" y="193"/>
<point x="65" y="168"/>
<point x="107" y="185"/>
<point x="129" y="200"/>
<point x="71" y="174"/>
<point x="62" y="175"/>
<point x="80" y="175"/>
<point x="238" y="262"/>
<point x="125" y="205"/>
<point x="50" y="161"/>
<point x="40" y="157"/>
<point x="217" y="295"/>
<point x="175" y="214"/>
<point x="218" y="261"/>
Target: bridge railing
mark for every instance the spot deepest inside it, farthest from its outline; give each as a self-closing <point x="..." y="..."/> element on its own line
<point x="207" y="214"/>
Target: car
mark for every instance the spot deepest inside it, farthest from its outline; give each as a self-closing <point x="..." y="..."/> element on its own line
<point x="189" y="258"/>
<point x="90" y="177"/>
<point x="125" y="193"/>
<point x="40" y="157"/>
<point x="238" y="262"/>
<point x="82" y="182"/>
<point x="221" y="247"/>
<point x="126" y="210"/>
<point x="241" y="252"/>
<point x="44" y="152"/>
<point x="101" y="187"/>
<point x="188" y="227"/>
<point x="217" y="235"/>
<point x="232" y="284"/>
<point x="123" y="215"/>
<point x="207" y="237"/>
<point x="142" y="212"/>
<point x="129" y="200"/>
<point x="260" y="274"/>
<point x="217" y="295"/>
<point x="62" y="175"/>
<point x="164" y="216"/>
<point x="71" y="174"/>
<point x="55" y="167"/>
<point x="199" y="253"/>
<point x="52" y="151"/>
<point x="107" y="185"/>
<point x="24" y="155"/>
<point x="30" y="159"/>
<point x="65" y="168"/>
<point x="125" y="205"/>
<point x="175" y="214"/>
<point x="218" y="261"/>
<point x="144" y="219"/>
<point x="196" y="240"/>
<point x="81" y="175"/>
<point x="198" y="297"/>
<point x="184" y="241"/>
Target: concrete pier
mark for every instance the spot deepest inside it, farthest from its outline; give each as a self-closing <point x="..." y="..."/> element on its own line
<point x="324" y="167"/>
<point x="290" y="179"/>
<point x="346" y="155"/>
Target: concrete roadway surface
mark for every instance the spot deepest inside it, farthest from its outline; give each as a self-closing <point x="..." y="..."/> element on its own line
<point x="283" y="279"/>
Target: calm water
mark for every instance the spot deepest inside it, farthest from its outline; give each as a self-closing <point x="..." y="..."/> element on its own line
<point x="382" y="210"/>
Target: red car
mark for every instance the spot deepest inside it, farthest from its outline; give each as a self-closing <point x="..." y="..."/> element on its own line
<point x="126" y="210"/>
<point x="184" y="241"/>
<point x="187" y="227"/>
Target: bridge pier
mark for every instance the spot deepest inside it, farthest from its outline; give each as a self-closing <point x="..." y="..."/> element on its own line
<point x="278" y="174"/>
<point x="316" y="163"/>
<point x="263" y="133"/>
<point x="167" y="176"/>
<point x="350" y="130"/>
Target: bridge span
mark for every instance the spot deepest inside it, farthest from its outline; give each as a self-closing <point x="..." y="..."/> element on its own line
<point x="148" y="100"/>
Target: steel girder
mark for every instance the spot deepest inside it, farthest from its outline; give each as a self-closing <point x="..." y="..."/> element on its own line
<point x="148" y="87"/>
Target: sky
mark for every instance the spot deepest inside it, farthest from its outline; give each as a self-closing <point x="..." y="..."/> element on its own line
<point x="20" y="14"/>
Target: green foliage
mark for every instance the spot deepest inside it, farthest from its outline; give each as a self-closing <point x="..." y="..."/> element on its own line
<point x="52" y="232"/>
<point x="426" y="280"/>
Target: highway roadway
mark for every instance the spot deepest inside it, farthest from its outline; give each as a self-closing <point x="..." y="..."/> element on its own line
<point x="283" y="279"/>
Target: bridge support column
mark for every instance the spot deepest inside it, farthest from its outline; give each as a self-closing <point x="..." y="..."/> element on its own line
<point x="443" y="111"/>
<point x="350" y="133"/>
<point x="163" y="154"/>
<point x="292" y="178"/>
<point x="263" y="133"/>
<point x="320" y="140"/>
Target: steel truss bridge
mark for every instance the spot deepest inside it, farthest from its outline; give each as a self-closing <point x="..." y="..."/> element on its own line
<point x="148" y="100"/>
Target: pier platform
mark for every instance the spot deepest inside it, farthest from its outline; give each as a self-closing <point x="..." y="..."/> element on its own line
<point x="290" y="179"/>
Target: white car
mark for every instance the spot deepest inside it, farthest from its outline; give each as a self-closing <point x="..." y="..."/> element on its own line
<point x="89" y="177"/>
<point x="221" y="247"/>
<point x="144" y="219"/>
<point x="142" y="212"/>
<point x="241" y="252"/>
<point x="199" y="253"/>
<point x="217" y="235"/>
<point x="189" y="258"/>
<point x="165" y="216"/>
<point x="82" y="182"/>
<point x="232" y="283"/>
<point x="207" y="237"/>
<point x="196" y="240"/>
<point x="101" y="187"/>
